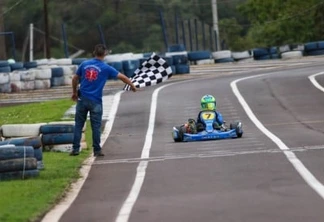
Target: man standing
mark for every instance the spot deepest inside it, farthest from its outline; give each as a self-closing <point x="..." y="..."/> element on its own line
<point x="92" y="76"/>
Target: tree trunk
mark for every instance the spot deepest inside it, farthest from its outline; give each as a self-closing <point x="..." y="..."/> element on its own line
<point x="3" y="54"/>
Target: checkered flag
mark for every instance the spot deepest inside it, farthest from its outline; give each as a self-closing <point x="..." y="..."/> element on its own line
<point x="153" y="71"/>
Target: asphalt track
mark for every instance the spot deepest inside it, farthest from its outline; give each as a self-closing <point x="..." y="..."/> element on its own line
<point x="249" y="179"/>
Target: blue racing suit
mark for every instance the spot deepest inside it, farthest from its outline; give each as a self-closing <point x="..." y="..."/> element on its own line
<point x="216" y="116"/>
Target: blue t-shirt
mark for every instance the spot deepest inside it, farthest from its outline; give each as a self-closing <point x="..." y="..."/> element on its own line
<point x="94" y="74"/>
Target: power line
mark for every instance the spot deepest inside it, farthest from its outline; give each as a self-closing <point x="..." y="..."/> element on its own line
<point x="12" y="7"/>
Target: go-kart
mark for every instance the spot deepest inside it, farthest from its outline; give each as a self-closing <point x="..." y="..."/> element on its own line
<point x="210" y="132"/>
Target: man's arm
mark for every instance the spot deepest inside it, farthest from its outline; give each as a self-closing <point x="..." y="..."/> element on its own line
<point x="75" y="83"/>
<point x="126" y="80"/>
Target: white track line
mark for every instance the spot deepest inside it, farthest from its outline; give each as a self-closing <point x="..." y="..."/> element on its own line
<point x="292" y="158"/>
<point x="315" y="83"/>
<point x="56" y="213"/>
<point x="128" y="204"/>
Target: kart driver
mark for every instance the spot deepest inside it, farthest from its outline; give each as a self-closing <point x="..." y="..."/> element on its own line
<point x="208" y="107"/>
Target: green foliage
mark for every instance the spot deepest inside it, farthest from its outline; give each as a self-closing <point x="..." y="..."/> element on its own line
<point x="136" y="25"/>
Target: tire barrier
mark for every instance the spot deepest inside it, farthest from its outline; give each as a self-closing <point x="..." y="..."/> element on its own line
<point x="21" y="130"/>
<point x="17" y="66"/>
<point x="238" y="56"/>
<point x="78" y="61"/>
<point x="65" y="147"/>
<point x="56" y="128"/>
<point x="5" y="88"/>
<point x="24" y="141"/>
<point x="8" y="152"/>
<point x="5" y="69"/>
<point x="182" y="69"/>
<point x="29" y="65"/>
<point x="17" y="162"/>
<point x="265" y="53"/>
<point x="204" y="62"/>
<point x="57" y="138"/>
<point x="57" y="81"/>
<point x="314" y="48"/>
<point x="4" y="78"/>
<point x="199" y="55"/>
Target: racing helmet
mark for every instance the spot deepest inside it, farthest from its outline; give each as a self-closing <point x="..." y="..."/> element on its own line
<point x="208" y="102"/>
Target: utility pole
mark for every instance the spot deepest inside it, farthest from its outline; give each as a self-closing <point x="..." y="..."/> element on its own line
<point x="3" y="54"/>
<point x="47" y="42"/>
<point x="215" y="22"/>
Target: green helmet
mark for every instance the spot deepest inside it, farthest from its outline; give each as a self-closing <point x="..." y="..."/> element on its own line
<point x="208" y="102"/>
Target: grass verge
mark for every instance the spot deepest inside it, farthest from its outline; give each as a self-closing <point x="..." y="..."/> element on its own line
<point x="28" y="200"/>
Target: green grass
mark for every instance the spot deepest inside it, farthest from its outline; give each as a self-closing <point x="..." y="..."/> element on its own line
<point x="29" y="200"/>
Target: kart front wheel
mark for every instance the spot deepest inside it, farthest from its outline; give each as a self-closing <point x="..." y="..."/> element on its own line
<point x="238" y="128"/>
<point x="179" y="134"/>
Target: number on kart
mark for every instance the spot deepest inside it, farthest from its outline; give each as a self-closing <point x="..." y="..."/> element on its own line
<point x="208" y="116"/>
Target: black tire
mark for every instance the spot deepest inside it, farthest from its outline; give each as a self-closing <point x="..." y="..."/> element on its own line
<point x="238" y="128"/>
<point x="179" y="139"/>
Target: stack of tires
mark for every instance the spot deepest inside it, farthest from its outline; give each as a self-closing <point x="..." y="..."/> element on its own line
<point x="223" y="56"/>
<point x="24" y="135"/>
<point x="291" y="51"/>
<point x="243" y="56"/>
<point x="265" y="53"/>
<point x="17" y="162"/>
<point x="43" y="77"/>
<point x="180" y="62"/>
<point x="58" y="136"/>
<point x="314" y="48"/>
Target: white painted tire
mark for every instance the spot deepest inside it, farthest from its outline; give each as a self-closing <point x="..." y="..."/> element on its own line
<point x="284" y="48"/>
<point x="241" y="55"/>
<point x="41" y="62"/>
<point x="27" y="75"/>
<point x="68" y="80"/>
<point x="21" y="130"/>
<point x="4" y="78"/>
<point x="222" y="54"/>
<point x="170" y="54"/>
<point x="14" y="76"/>
<point x="27" y="85"/>
<point x="42" y="83"/>
<point x="15" y="86"/>
<point x="292" y="55"/>
<point x="69" y="70"/>
<point x="205" y="62"/>
<point x="45" y="73"/>
<point x="64" y="62"/>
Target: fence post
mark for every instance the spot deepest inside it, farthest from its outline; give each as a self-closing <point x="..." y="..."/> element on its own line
<point x="183" y="34"/>
<point x="190" y="35"/>
<point x="196" y="34"/>
<point x="31" y="42"/>
<point x="176" y="26"/>
<point x="216" y="46"/>
<point x="203" y="34"/>
<point x="66" y="50"/>
<point x="211" y="38"/>
<point x="163" y="29"/>
<point x="13" y="45"/>
<point x="102" y="38"/>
